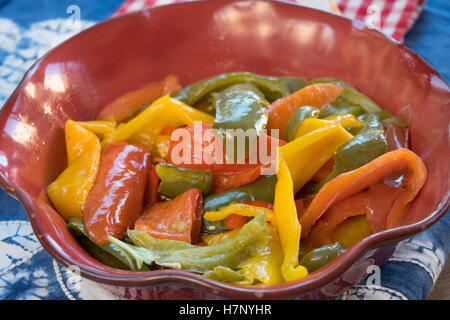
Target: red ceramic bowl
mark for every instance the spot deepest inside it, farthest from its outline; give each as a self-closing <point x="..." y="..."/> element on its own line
<point x="196" y="40"/>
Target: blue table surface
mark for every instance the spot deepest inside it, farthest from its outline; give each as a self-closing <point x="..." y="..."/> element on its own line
<point x="430" y="38"/>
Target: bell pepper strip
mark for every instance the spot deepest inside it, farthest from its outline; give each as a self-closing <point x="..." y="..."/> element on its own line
<point x="229" y="275"/>
<point x="183" y="256"/>
<point x="351" y="95"/>
<point x="175" y="180"/>
<point x="324" y="172"/>
<point x="177" y="219"/>
<point x="151" y="187"/>
<point x="315" y="95"/>
<point x="99" y="127"/>
<point x="297" y="118"/>
<point x="127" y="105"/>
<point x="317" y="258"/>
<point x="322" y="231"/>
<point x="294" y="83"/>
<point x="240" y="108"/>
<point x="266" y="266"/>
<point x="223" y="182"/>
<point x="209" y="144"/>
<point x="287" y="224"/>
<point x="259" y="203"/>
<point x="352" y="230"/>
<point x="159" y="145"/>
<point x="240" y="209"/>
<point x="262" y="189"/>
<point x="115" y="200"/>
<point x="235" y="221"/>
<point x="220" y="237"/>
<point x="243" y="110"/>
<point x="69" y="191"/>
<point x="306" y="155"/>
<point x="273" y="88"/>
<point x="340" y="107"/>
<point x="108" y="254"/>
<point x="352" y="182"/>
<point x="311" y="124"/>
<point x="298" y="161"/>
<point x="368" y="144"/>
<point x="165" y="111"/>
<point x="347" y="120"/>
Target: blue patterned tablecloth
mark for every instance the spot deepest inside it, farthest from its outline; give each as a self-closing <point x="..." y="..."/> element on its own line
<point x="28" y="30"/>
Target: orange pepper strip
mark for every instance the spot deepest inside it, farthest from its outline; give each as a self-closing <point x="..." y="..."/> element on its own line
<point x="349" y="183"/>
<point x="128" y="104"/>
<point x="322" y="231"/>
<point x="315" y="95"/>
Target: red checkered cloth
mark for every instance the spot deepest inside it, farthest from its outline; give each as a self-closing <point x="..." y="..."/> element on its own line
<point x="393" y="17"/>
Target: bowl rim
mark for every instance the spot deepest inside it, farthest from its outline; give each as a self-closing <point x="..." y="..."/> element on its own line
<point x="313" y="281"/>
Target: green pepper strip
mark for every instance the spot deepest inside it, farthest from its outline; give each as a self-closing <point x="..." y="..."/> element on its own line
<point x="175" y="180"/>
<point x="273" y="88"/>
<point x="294" y="83"/>
<point x="368" y="143"/>
<point x="200" y="259"/>
<point x="108" y="254"/>
<point x="262" y="189"/>
<point x="351" y="95"/>
<point x="319" y="257"/>
<point x="297" y="119"/>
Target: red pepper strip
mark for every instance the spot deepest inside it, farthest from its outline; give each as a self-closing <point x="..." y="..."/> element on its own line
<point x="128" y="104"/>
<point x="352" y="182"/>
<point x="151" y="188"/>
<point x="325" y="171"/>
<point x="115" y="200"/>
<point x="316" y="95"/>
<point x="397" y="137"/>
<point x="223" y="182"/>
<point x="177" y="219"/>
<point x="262" y="204"/>
<point x="235" y="221"/>
<point x="167" y="131"/>
<point x="323" y="229"/>
<point x="196" y="159"/>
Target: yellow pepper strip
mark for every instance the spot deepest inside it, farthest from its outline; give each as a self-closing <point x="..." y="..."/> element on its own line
<point x="346" y="120"/>
<point x="160" y="146"/>
<point x="99" y="127"/>
<point x="311" y="124"/>
<point x="220" y="237"/>
<point x="351" y="231"/>
<point x="69" y="191"/>
<point x="241" y="209"/>
<point x="266" y="266"/>
<point x="298" y="161"/>
<point x="165" y="111"/>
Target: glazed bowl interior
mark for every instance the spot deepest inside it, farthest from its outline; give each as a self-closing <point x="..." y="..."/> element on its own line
<point x="196" y="40"/>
